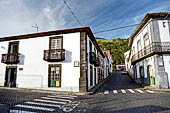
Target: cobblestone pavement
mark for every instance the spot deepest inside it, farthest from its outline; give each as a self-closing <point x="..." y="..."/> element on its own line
<point x="119" y="95"/>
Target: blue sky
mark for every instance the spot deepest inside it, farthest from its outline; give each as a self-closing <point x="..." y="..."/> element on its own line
<point x="18" y="16"/>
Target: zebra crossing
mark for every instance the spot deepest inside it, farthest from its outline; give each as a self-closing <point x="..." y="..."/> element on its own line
<point x="49" y="103"/>
<point x="124" y="91"/>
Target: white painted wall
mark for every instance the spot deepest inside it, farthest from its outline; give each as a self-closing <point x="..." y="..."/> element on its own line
<point x="164" y="31"/>
<point x="166" y="58"/>
<point x="35" y="69"/>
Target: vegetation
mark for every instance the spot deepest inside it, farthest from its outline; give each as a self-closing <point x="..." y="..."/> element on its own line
<point x="117" y="49"/>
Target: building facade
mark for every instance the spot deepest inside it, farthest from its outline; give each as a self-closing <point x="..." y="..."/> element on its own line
<point x="149" y="58"/>
<point x="61" y="60"/>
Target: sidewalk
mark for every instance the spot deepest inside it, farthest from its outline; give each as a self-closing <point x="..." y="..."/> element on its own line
<point x="46" y="91"/>
<point x="153" y="88"/>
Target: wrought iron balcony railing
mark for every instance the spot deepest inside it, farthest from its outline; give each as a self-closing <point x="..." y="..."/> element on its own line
<point x="151" y="49"/>
<point x="92" y="57"/>
<point x="97" y="61"/>
<point x="54" y="55"/>
<point x="10" y="58"/>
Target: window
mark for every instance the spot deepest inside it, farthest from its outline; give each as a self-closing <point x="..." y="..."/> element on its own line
<point x="146" y="40"/>
<point x="91" y="76"/>
<point x="90" y="46"/>
<point x="139" y="45"/>
<point x="13" y="47"/>
<point x="56" y="42"/>
<point x="55" y="75"/>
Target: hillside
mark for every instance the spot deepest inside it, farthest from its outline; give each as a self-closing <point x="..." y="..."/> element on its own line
<point x="117" y="48"/>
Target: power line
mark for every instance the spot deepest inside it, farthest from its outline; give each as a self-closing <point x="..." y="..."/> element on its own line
<point x="115" y="28"/>
<point x="72" y="13"/>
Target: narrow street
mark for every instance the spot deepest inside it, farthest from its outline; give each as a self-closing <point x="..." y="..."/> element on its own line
<point x="119" y="95"/>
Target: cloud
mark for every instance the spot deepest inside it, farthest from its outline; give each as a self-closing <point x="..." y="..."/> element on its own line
<point x="18" y="17"/>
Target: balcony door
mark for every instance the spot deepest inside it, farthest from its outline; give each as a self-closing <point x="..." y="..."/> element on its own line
<point x="54" y="75"/>
<point x="13" y="47"/>
<point x="10" y="76"/>
<point x="56" y="46"/>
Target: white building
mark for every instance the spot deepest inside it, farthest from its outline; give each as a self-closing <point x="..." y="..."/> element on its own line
<point x="149" y="56"/>
<point x="61" y="60"/>
<point x="109" y="58"/>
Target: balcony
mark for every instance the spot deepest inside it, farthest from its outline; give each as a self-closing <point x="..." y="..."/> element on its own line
<point x="92" y="58"/>
<point x="151" y="49"/>
<point x="54" y="55"/>
<point x="97" y="61"/>
<point x="10" y="58"/>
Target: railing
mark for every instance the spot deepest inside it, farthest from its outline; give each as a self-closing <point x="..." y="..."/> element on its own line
<point x="151" y="49"/>
<point x="10" y="58"/>
<point x="92" y="57"/>
<point x="54" y="55"/>
<point x="97" y="61"/>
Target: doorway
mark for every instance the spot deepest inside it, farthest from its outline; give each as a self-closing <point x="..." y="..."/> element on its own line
<point x="54" y="75"/>
<point x="142" y="75"/>
<point x="10" y="76"/>
<point x="151" y="79"/>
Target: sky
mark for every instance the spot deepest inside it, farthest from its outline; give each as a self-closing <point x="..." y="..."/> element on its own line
<point x="18" y="16"/>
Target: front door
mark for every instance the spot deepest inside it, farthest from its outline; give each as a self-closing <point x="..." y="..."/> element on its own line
<point x="150" y="76"/>
<point x="54" y="75"/>
<point x="142" y="75"/>
<point x="10" y="76"/>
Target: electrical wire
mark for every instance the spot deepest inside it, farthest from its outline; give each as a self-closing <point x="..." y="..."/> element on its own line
<point x="72" y="13"/>
<point x="117" y="28"/>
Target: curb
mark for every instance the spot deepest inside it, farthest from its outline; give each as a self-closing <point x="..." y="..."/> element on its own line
<point x="49" y="91"/>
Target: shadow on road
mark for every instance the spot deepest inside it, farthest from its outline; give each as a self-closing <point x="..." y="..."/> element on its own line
<point x="140" y="109"/>
<point x="119" y="81"/>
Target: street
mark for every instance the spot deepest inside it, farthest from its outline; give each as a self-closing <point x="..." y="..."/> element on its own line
<point x="119" y="95"/>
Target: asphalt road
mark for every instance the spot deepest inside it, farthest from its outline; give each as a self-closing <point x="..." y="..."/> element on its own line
<point x="119" y="95"/>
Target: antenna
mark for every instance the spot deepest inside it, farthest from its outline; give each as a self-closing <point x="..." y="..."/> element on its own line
<point x="36" y="26"/>
<point x="165" y="18"/>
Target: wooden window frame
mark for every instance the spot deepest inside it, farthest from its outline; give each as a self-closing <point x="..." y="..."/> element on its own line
<point x="10" y="43"/>
<point x="49" y="67"/>
<point x="56" y="37"/>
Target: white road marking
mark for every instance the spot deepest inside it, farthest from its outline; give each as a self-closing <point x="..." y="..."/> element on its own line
<point x="20" y="111"/>
<point x="65" y="96"/>
<point x="140" y="91"/>
<point x="36" y="103"/>
<point x="149" y="91"/>
<point x="61" y="97"/>
<point x="123" y="91"/>
<point x="35" y="107"/>
<point x="130" y="90"/>
<point x="50" y="101"/>
<point x="115" y="91"/>
<point x="56" y="99"/>
<point x="106" y="92"/>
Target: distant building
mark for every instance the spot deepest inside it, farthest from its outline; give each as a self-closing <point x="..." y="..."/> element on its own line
<point x="109" y="58"/>
<point x="149" y="57"/>
<point x="120" y="67"/>
<point x="61" y="60"/>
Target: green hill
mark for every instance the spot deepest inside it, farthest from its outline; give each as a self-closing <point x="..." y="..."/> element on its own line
<point x="117" y="48"/>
